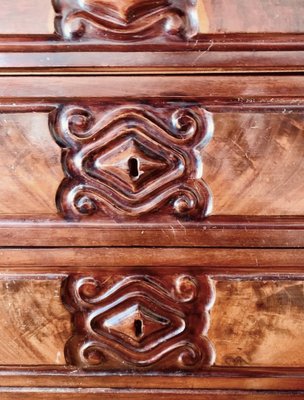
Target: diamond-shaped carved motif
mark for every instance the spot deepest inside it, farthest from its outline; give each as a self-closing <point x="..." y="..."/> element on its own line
<point x="139" y="322"/>
<point x="135" y="323"/>
<point x="130" y="161"/>
<point x="126" y="21"/>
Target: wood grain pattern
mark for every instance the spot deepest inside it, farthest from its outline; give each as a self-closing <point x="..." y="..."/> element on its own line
<point x="131" y="322"/>
<point x="254" y="157"/>
<point x="139" y="322"/>
<point x="35" y="325"/>
<point x="219" y="16"/>
<point x="257" y="200"/>
<point x="254" y="323"/>
<point x="29" y="165"/>
<point x="258" y="323"/>
<point x="251" y="324"/>
<point x="254" y="166"/>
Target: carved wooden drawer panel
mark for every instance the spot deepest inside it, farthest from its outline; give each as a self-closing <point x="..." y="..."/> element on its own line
<point x="151" y="199"/>
<point x="210" y="320"/>
<point x="139" y="322"/>
<point x="165" y="161"/>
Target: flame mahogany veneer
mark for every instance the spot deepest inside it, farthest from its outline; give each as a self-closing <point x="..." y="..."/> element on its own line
<point x="151" y="215"/>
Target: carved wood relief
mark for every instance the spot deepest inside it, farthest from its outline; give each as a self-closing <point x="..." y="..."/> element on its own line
<point x="139" y="322"/>
<point x="126" y="20"/>
<point x="132" y="160"/>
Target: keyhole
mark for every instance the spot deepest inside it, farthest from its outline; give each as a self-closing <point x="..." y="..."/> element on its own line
<point x="133" y="167"/>
<point x="138" y="326"/>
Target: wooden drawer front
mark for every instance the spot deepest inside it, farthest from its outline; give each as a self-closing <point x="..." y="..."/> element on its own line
<point x="191" y="35"/>
<point x="144" y="321"/>
<point x="208" y="156"/>
<point x="83" y="314"/>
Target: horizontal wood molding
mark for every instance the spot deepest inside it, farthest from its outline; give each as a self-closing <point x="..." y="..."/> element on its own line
<point x="54" y="60"/>
<point x="215" y="262"/>
<point x="106" y="394"/>
<point x="189" y="36"/>
<point x="47" y="92"/>
<point x="263" y="216"/>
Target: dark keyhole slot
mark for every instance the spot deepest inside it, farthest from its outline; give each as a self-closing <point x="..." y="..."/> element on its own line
<point x="138" y="327"/>
<point x="133" y="167"/>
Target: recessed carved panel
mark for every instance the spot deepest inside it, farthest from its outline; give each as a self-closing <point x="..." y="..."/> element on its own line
<point x="139" y="322"/>
<point x="126" y="20"/>
<point x="133" y="160"/>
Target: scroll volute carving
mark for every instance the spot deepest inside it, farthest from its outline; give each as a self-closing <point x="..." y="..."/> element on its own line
<point x="139" y="322"/>
<point x="133" y="160"/>
<point x="126" y="21"/>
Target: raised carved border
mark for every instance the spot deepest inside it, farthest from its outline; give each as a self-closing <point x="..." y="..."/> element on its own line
<point x="133" y="160"/>
<point x="139" y="322"/>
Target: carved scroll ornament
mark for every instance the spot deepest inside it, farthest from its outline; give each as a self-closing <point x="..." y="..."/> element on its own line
<point x="126" y="21"/>
<point x="132" y="160"/>
<point x="139" y="322"/>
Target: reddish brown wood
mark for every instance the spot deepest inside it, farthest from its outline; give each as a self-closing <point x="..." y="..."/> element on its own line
<point x="126" y="21"/>
<point x="134" y="317"/>
<point x="105" y="394"/>
<point x="131" y="160"/>
<point x="105" y="311"/>
<point x="246" y="91"/>
<point x="274" y="263"/>
<point x="268" y="333"/>
<point x="250" y="16"/>
<point x="139" y="322"/>
<point x="207" y="35"/>
<point x="94" y="118"/>
<point x="35" y="325"/>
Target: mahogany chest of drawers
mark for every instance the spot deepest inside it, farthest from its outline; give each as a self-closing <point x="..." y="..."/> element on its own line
<point x="151" y="199"/>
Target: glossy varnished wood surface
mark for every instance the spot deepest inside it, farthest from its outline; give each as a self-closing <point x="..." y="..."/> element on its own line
<point x="242" y="298"/>
<point x="243" y="90"/>
<point x="132" y="161"/>
<point x="220" y="16"/>
<point x="257" y="16"/>
<point x="203" y="35"/>
<point x="35" y="325"/>
<point x="139" y="321"/>
<point x="29" y="165"/>
<point x="223" y="261"/>
<point x="253" y="164"/>
<point x="268" y="331"/>
<point x="257" y="200"/>
<point x="146" y="394"/>
<point x="70" y="315"/>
